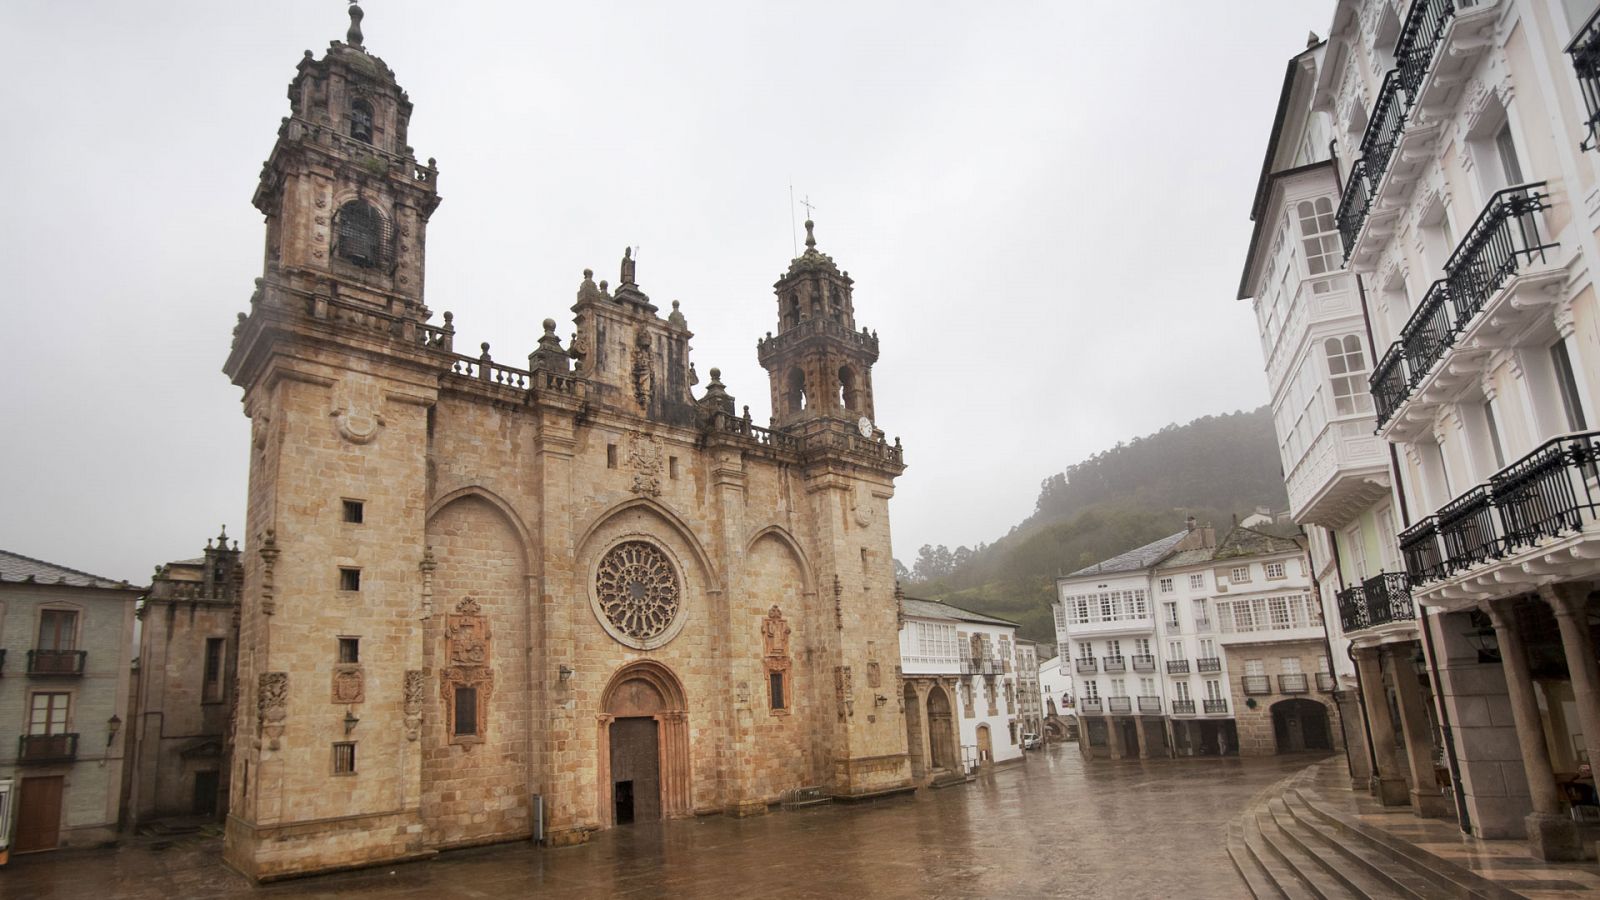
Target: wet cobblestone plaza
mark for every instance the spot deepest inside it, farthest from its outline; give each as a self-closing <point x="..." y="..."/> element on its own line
<point x="1054" y="827"/>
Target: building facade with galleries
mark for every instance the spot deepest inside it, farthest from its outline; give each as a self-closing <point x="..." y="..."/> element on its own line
<point x="1189" y="646"/>
<point x="1459" y="138"/>
<point x="1030" y="695"/>
<point x="65" y="640"/>
<point x="1241" y="635"/>
<point x="962" y="690"/>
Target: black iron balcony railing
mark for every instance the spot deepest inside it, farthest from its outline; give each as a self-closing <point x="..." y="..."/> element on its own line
<point x="1090" y="705"/>
<point x="1150" y="704"/>
<point x="56" y="662"/>
<point x="1208" y="664"/>
<point x="1144" y="662"/>
<point x="1120" y="704"/>
<point x="1466" y="528"/>
<point x="1215" y="707"/>
<point x="1177" y="666"/>
<point x="1381" y="599"/>
<point x="47" y="748"/>
<point x="1183" y="707"/>
<point x="1585" y="53"/>
<point x="1325" y="682"/>
<point x="1087" y="665"/>
<point x="1389" y="384"/>
<point x="1428" y="333"/>
<point x="1420" y="35"/>
<point x="1256" y="684"/>
<point x="1353" y="614"/>
<point x="1550" y="492"/>
<point x="1503" y="240"/>
<point x="1293" y="684"/>
<point x="1419" y="545"/>
<point x="1354" y="205"/>
<point x="1547" y="492"/>
<point x="1116" y="664"/>
<point x="1384" y="128"/>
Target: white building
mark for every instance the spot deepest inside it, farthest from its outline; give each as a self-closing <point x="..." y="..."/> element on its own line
<point x="1464" y="186"/>
<point x="961" y="689"/>
<point x="1030" y="699"/>
<point x="1055" y="687"/>
<point x="1190" y="647"/>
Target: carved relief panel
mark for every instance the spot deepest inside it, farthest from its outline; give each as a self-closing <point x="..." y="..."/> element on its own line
<point x="467" y="679"/>
<point x="775" y="654"/>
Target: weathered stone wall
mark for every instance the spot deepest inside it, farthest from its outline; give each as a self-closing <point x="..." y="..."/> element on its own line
<point x="1255" y="727"/>
<point x="475" y="790"/>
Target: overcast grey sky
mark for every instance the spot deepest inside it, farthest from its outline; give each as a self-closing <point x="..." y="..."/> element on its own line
<point x="1044" y="207"/>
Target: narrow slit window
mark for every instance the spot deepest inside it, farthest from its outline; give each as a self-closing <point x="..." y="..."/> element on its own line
<point x="776" y="685"/>
<point x="672" y="467"/>
<point x="611" y="456"/>
<point x="466" y="719"/>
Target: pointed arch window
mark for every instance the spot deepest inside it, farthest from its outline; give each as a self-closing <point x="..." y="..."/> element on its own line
<point x="1319" y="235"/>
<point x="361" y="235"/>
<point x="1347" y="366"/>
<point x="361" y="121"/>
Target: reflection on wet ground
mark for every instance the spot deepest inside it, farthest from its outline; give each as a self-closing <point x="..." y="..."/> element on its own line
<point x="1056" y="826"/>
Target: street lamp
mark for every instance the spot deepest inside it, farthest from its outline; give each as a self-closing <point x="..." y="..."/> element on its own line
<point x="1482" y="638"/>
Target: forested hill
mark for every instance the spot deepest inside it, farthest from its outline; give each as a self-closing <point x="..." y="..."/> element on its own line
<point x="1213" y="468"/>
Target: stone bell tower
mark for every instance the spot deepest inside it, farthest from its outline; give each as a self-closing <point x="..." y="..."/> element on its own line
<point x="346" y="202"/>
<point x="820" y="366"/>
<point x="340" y="373"/>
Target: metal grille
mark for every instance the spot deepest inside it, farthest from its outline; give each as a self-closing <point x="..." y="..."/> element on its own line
<point x="363" y="237"/>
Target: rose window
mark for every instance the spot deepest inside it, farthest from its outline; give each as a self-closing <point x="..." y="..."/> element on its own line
<point x="638" y="590"/>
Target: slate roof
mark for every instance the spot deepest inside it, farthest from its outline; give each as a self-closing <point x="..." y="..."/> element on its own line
<point x="1238" y="542"/>
<point x="14" y="567"/>
<point x="929" y="609"/>
<point x="1135" y="559"/>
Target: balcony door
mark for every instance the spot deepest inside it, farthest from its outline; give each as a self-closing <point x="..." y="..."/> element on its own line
<point x="58" y="630"/>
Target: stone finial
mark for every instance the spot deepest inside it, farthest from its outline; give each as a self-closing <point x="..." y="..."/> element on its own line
<point x="675" y="318"/>
<point x="549" y="356"/>
<point x="811" y="239"/>
<point x="353" y="36"/>
<point x="586" y="288"/>
<point x="717" y="397"/>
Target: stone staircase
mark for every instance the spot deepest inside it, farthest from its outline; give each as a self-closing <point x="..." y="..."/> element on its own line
<point x="1292" y="843"/>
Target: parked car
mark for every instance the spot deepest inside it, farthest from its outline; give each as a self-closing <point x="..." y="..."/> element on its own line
<point x="1030" y="741"/>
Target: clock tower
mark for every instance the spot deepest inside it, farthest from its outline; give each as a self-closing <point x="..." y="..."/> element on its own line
<point x="819" y="364"/>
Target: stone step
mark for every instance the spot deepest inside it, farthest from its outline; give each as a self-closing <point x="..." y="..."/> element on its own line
<point x="1304" y="865"/>
<point x="1357" y="880"/>
<point x="1255" y="876"/>
<point x="1280" y="873"/>
<point x="1397" y="876"/>
<point x="1448" y="879"/>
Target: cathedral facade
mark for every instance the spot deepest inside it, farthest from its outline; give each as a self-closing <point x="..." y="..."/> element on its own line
<point x="483" y="602"/>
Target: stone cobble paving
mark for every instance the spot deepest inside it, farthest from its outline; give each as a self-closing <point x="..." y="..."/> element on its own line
<point x="1054" y="827"/>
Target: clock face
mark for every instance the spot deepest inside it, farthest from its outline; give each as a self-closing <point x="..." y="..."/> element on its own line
<point x="865" y="427"/>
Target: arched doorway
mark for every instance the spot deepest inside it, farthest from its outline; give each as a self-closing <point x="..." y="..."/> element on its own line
<point x="985" y="746"/>
<point x="941" y="731"/>
<point x="914" y="745"/>
<point x="644" y="746"/>
<point x="1300" y="724"/>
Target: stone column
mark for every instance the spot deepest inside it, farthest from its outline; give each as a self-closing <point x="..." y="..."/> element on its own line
<point x="1388" y="785"/>
<point x="1570" y="604"/>
<point x="1144" y="739"/>
<point x="1551" y="836"/>
<point x="1425" y="797"/>
<point x="1114" y="738"/>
